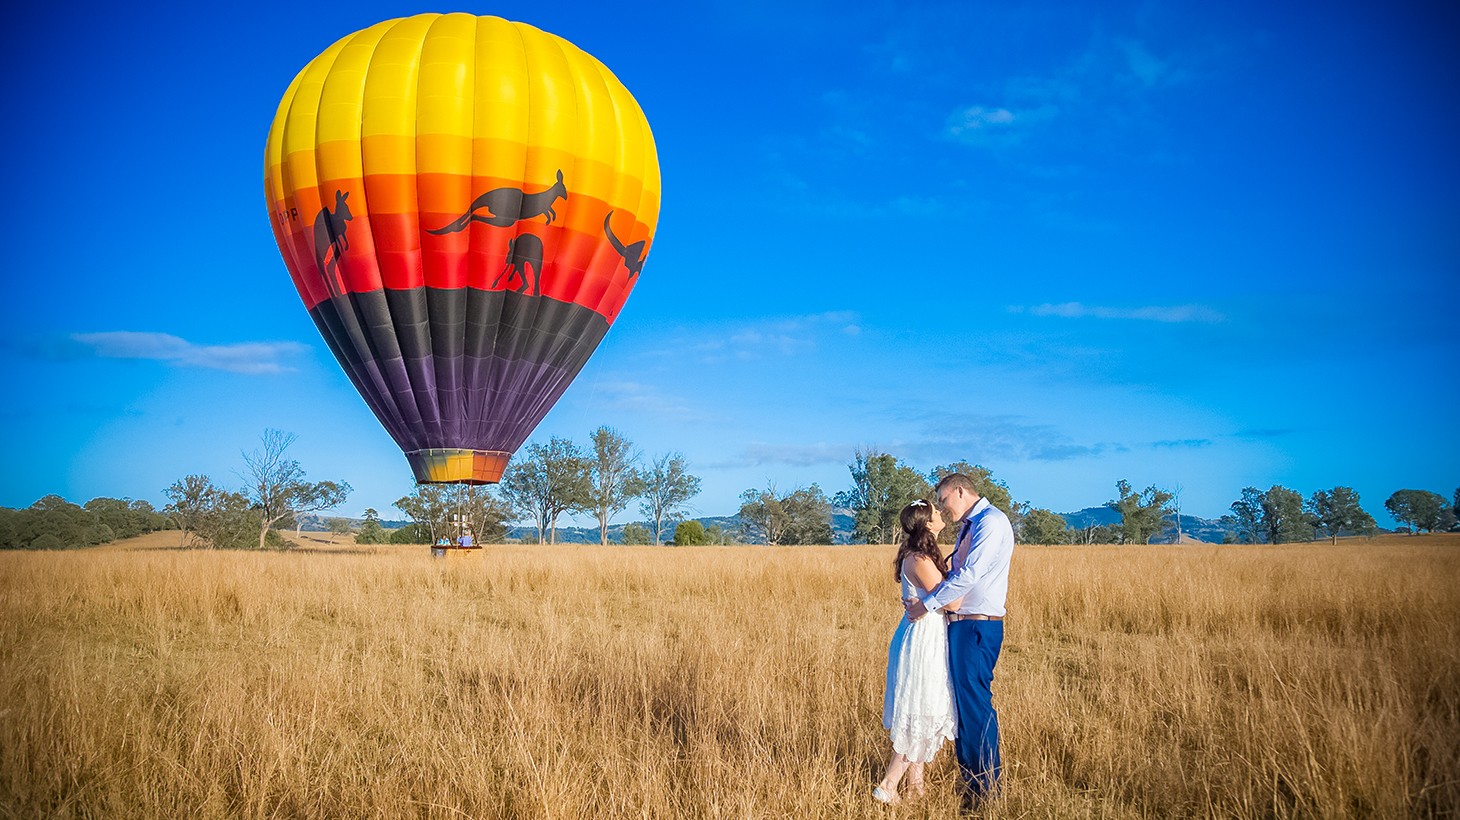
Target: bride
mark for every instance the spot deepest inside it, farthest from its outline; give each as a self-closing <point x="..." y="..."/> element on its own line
<point x="918" y="707"/>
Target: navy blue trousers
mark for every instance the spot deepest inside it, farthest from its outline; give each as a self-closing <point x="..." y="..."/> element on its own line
<point x="973" y="649"/>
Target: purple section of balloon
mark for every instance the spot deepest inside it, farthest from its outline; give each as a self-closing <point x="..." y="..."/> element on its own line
<point x="459" y="368"/>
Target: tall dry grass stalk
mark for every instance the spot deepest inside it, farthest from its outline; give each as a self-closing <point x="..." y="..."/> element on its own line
<point x="1308" y="681"/>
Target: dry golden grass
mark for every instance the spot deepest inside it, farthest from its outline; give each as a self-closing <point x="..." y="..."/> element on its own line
<point x="1197" y="681"/>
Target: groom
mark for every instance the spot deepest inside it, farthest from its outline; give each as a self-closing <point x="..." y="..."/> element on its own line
<point x="980" y="576"/>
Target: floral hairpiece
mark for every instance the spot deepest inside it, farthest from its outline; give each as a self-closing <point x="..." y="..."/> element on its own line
<point x="918" y="502"/>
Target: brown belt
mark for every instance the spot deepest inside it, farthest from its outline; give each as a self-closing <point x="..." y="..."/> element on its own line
<point x="954" y="617"/>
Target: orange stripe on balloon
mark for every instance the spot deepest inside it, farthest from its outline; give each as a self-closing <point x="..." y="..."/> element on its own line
<point x="392" y="251"/>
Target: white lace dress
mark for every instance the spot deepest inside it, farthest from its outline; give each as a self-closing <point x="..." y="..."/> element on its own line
<point x="918" y="708"/>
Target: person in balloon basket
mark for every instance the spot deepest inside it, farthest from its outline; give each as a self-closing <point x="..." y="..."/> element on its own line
<point x="972" y="597"/>
<point x="918" y="708"/>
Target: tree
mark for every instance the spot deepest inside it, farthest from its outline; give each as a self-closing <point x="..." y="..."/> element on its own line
<point x="1043" y="527"/>
<point x="276" y="485"/>
<point x="690" y="534"/>
<point x="231" y="521"/>
<point x="1283" y="517"/>
<point x="55" y="516"/>
<point x="668" y="487"/>
<point x="485" y="514"/>
<point x="411" y="534"/>
<point x="1421" y="508"/>
<point x="996" y="491"/>
<point x="124" y="517"/>
<point x="552" y="480"/>
<point x="802" y="516"/>
<point x="310" y="498"/>
<point x="613" y="477"/>
<point x="1337" y="511"/>
<point x="427" y="508"/>
<point x="1176" y="510"/>
<point x="637" y="533"/>
<point x="192" y="498"/>
<point x="273" y="479"/>
<point x="450" y="510"/>
<point x="1247" y="511"/>
<point x="340" y="526"/>
<point x="1140" y="512"/>
<point x="881" y="487"/>
<point x="763" y="516"/>
<point x="808" y="511"/>
<point x="370" y="530"/>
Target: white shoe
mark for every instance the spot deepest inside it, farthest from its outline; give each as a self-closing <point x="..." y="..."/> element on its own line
<point x="881" y="795"/>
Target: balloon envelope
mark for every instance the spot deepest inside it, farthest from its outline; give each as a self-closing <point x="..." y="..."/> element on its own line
<point x="464" y="204"/>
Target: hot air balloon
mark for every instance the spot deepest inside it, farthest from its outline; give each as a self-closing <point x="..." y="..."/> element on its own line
<point x="464" y="204"/>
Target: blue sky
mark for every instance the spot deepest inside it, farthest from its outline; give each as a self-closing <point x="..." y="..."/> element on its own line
<point x="1194" y="245"/>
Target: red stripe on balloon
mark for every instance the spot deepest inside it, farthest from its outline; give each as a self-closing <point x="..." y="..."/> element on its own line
<point x="396" y="251"/>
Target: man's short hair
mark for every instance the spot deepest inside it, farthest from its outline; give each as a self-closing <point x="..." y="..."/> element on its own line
<point x="956" y="480"/>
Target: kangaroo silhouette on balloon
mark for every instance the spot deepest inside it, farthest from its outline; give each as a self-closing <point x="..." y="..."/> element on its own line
<point x="329" y="232"/>
<point x="505" y="206"/>
<point x="523" y="251"/>
<point x="633" y="255"/>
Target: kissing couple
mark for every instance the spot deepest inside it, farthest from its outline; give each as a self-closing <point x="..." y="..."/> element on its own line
<point x="940" y="664"/>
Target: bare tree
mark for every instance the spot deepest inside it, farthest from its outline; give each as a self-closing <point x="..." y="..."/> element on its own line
<point x="276" y="485"/>
<point x="668" y="487"/>
<point x="1176" y="506"/>
<point x="273" y="479"/>
<point x="613" y="477"/>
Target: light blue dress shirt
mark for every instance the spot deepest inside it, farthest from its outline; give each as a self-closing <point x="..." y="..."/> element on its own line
<point x="979" y="572"/>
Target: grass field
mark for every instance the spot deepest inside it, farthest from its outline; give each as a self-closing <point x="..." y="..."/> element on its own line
<point x="338" y="681"/>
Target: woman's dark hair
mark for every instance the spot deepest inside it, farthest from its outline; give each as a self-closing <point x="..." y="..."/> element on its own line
<point x="917" y="539"/>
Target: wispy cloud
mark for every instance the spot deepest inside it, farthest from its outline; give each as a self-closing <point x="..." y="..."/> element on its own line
<point x="795" y="455"/>
<point x="243" y="357"/>
<point x="643" y="400"/>
<point x="1182" y="443"/>
<point x="1152" y="313"/>
<point x="776" y="337"/>
<point x="995" y="127"/>
<point x="1148" y="69"/>
<point x="948" y="437"/>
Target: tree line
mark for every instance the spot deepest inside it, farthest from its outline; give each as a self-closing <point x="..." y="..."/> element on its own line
<point x="882" y="484"/>
<point x="54" y="523"/>
<point x="608" y="475"/>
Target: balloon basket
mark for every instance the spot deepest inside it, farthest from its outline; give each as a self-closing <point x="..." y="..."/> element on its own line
<point x="454" y="552"/>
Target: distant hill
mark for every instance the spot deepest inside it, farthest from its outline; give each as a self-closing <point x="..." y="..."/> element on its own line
<point x="1192" y="527"/>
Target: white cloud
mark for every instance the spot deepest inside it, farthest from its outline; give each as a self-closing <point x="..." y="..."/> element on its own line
<point x="1154" y="313"/>
<point x="995" y="127"/>
<point x="243" y="357"/>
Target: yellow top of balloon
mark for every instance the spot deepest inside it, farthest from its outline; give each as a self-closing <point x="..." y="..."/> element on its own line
<point x="455" y="102"/>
